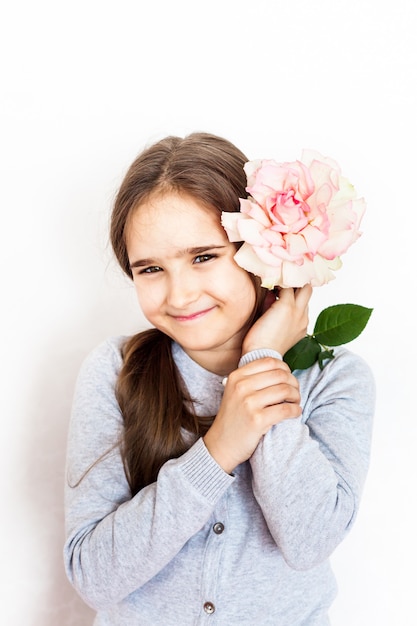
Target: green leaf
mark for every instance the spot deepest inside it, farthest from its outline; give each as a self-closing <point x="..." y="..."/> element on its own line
<point x="325" y="355"/>
<point x="304" y="354"/>
<point x="341" y="323"/>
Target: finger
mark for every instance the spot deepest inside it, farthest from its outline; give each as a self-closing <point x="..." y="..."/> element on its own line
<point x="302" y="295"/>
<point x="277" y="394"/>
<point x="284" y="293"/>
<point x="257" y="403"/>
<point x="279" y="412"/>
<point x="260" y="365"/>
<point x="264" y="380"/>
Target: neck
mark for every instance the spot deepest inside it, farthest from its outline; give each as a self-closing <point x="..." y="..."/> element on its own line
<point x="221" y="363"/>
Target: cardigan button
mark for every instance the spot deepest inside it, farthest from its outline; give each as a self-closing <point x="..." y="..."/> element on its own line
<point x="209" y="607"/>
<point x="218" y="528"/>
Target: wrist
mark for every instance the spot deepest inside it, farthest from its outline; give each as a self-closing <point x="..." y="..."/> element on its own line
<point x="215" y="450"/>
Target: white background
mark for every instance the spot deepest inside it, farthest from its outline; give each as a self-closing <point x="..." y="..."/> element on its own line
<point x="84" y="85"/>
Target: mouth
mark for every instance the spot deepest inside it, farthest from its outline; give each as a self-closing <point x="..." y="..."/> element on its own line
<point x="192" y="316"/>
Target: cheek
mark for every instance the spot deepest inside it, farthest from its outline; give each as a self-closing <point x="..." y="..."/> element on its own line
<point x="243" y="293"/>
<point x="147" y="299"/>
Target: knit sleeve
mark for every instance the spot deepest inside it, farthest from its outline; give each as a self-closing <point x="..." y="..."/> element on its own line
<point x="308" y="473"/>
<point x="116" y="543"/>
<point x="259" y="354"/>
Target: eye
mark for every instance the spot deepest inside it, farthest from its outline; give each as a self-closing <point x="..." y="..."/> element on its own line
<point x="202" y="258"/>
<point x="151" y="270"/>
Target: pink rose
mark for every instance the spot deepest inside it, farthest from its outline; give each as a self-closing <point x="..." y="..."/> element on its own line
<point x="297" y="221"/>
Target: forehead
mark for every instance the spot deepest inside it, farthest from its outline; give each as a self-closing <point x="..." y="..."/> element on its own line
<point x="174" y="221"/>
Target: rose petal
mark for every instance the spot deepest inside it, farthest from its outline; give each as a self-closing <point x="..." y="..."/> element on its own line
<point x="272" y="256"/>
<point x="338" y="243"/>
<point x="296" y="275"/>
<point x="322" y="271"/>
<point x="314" y="238"/>
<point x="255" y="211"/>
<point x="251" y="232"/>
<point x="229" y="222"/>
<point x="248" y="260"/>
<point x="250" y="169"/>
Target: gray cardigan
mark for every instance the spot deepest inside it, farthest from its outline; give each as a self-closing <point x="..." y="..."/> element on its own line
<point x="200" y="546"/>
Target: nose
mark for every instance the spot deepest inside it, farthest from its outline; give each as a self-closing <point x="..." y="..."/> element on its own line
<point x="183" y="290"/>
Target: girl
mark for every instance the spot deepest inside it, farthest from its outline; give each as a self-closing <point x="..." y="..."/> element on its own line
<point x="207" y="484"/>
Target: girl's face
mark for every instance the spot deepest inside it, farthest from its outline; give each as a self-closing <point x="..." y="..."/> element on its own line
<point x="187" y="281"/>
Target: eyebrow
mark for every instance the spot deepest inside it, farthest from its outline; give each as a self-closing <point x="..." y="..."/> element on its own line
<point x="190" y="251"/>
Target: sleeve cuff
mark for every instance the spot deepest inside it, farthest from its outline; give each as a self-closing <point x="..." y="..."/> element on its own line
<point x="202" y="471"/>
<point x="253" y="355"/>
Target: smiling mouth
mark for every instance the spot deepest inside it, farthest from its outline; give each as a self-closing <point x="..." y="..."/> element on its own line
<point x="193" y="316"/>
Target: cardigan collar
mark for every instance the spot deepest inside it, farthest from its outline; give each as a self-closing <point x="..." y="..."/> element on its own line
<point x="204" y="387"/>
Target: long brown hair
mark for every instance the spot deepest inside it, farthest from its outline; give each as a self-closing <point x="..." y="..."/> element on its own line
<point x="153" y="399"/>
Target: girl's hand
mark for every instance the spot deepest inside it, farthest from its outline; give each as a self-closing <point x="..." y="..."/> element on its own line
<point x="257" y="396"/>
<point x="283" y="324"/>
